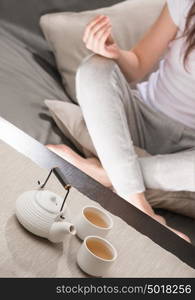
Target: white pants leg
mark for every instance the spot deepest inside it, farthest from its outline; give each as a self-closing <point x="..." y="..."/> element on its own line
<point x="116" y="120"/>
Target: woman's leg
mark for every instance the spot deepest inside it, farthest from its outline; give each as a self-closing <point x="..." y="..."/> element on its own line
<point x="93" y="168"/>
<point x="116" y="117"/>
<point x="90" y="166"/>
<point x="107" y="104"/>
<point x="170" y="172"/>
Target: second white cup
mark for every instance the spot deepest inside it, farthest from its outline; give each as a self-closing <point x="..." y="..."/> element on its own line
<point x="93" y="221"/>
<point x="96" y="255"/>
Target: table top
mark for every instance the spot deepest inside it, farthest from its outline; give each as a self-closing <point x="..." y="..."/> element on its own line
<point x="103" y="196"/>
<point x="23" y="254"/>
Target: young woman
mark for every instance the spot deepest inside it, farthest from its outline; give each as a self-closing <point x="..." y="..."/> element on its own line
<point x="158" y="116"/>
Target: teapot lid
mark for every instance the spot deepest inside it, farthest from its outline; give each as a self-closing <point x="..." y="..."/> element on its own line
<point x="49" y="201"/>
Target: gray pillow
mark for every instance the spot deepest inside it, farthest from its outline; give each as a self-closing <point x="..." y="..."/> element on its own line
<point x="64" y="32"/>
<point x="70" y="120"/>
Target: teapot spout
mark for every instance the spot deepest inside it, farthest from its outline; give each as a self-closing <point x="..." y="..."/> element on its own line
<point x="59" y="230"/>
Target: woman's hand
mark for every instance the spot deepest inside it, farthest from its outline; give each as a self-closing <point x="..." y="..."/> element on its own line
<point x="97" y="38"/>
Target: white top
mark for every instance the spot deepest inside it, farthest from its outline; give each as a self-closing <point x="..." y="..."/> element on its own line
<point x="171" y="89"/>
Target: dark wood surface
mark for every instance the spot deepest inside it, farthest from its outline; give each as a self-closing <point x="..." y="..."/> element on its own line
<point x="105" y="197"/>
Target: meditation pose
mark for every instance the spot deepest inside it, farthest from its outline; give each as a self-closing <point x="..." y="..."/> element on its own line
<point x="122" y="109"/>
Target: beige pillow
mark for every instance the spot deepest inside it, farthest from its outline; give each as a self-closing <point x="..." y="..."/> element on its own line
<point x="70" y="120"/>
<point x="64" y="32"/>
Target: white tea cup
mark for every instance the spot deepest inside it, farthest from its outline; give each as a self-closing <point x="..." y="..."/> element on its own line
<point x="93" y="221"/>
<point x="96" y="255"/>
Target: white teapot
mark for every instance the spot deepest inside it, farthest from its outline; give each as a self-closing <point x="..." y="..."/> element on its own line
<point x="39" y="212"/>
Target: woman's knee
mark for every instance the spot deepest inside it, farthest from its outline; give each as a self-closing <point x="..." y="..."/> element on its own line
<point x="94" y="69"/>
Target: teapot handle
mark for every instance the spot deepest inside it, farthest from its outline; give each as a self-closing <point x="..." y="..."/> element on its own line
<point x="60" y="176"/>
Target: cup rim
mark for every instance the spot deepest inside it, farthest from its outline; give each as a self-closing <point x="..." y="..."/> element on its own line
<point x="102" y="211"/>
<point x="107" y="242"/>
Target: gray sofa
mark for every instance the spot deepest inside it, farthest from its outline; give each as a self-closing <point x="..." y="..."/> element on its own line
<point x="28" y="72"/>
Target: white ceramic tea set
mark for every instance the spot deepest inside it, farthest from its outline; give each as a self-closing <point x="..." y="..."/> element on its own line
<point x="46" y="214"/>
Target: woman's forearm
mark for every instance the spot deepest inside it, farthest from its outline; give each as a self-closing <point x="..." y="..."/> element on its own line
<point x="130" y="65"/>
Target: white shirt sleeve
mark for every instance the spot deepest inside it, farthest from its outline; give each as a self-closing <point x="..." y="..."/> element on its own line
<point x="178" y="10"/>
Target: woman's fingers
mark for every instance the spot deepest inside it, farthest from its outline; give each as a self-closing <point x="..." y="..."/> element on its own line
<point x="94" y="33"/>
<point x="99" y="24"/>
<point x="99" y="27"/>
<point x="90" y="25"/>
<point x="99" y="33"/>
<point x="97" y="37"/>
<point x="103" y="38"/>
<point x="94" y="26"/>
<point x="94" y="41"/>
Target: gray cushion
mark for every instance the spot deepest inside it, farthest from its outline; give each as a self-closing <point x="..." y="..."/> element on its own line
<point x="24" y="85"/>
